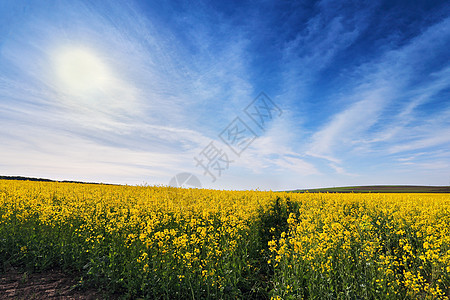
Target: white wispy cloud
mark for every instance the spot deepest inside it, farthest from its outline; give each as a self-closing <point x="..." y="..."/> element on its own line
<point x="153" y="97"/>
<point x="384" y="82"/>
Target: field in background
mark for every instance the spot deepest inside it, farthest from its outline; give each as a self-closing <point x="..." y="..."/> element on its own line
<point x="158" y="242"/>
<point x="345" y="189"/>
<point x="380" y="189"/>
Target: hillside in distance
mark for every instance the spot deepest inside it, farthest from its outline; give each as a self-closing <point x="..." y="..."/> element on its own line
<point x="380" y="189"/>
<point x="23" y="178"/>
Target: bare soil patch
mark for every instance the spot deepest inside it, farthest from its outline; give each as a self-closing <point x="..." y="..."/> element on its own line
<point x="53" y="284"/>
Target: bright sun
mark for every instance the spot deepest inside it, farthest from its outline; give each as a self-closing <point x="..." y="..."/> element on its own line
<point x="81" y="70"/>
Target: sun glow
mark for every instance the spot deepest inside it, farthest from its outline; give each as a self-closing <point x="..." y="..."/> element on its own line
<point x="81" y="70"/>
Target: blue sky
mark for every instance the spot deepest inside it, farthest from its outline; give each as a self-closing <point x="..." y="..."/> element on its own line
<point x="131" y="92"/>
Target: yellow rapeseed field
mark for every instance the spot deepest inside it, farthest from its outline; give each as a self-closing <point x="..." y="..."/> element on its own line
<point x="166" y="243"/>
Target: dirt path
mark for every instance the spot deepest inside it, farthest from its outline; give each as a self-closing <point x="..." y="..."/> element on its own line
<point x="47" y="285"/>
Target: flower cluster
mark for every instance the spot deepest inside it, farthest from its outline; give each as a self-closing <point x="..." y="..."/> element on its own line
<point x="392" y="246"/>
<point x="163" y="242"/>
